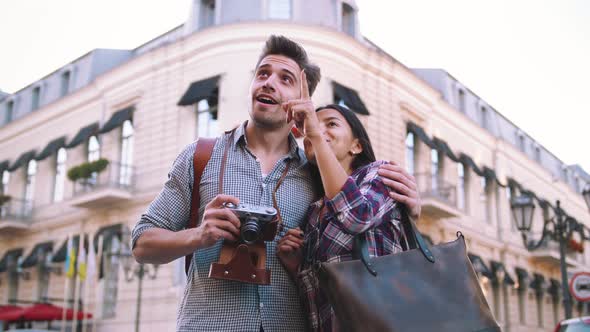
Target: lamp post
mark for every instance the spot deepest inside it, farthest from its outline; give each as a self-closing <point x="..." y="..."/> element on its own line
<point x="134" y="270"/>
<point x="559" y="228"/>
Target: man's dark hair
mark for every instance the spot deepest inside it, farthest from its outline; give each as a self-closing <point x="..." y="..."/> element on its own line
<point x="281" y="45"/>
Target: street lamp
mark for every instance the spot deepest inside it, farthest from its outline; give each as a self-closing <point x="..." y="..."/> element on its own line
<point x="560" y="228"/>
<point x="134" y="270"/>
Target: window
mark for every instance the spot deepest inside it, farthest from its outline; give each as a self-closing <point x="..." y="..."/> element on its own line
<point x="522" y="305"/>
<point x="5" y="180"/>
<point x="111" y="277"/>
<point x="496" y="296"/>
<point x="60" y="175"/>
<point x="461" y="95"/>
<point x="486" y="198"/>
<point x="539" y="300"/>
<point x="521" y="144"/>
<point x="35" y="98"/>
<point x="207" y="13"/>
<point x="93" y="155"/>
<point x="461" y="186"/>
<point x="434" y="169"/>
<point x="93" y="149"/>
<point x="565" y="173"/>
<point x="537" y="153"/>
<point x="13" y="277"/>
<point x="207" y="125"/>
<point x="42" y="277"/>
<point x="279" y="9"/>
<point x="484" y="117"/>
<point x="410" y="153"/>
<point x="126" y="153"/>
<point x="348" y="21"/>
<point x="3" y="191"/>
<point x="65" y="83"/>
<point x="9" y="115"/>
<point x="30" y="187"/>
<point x="511" y="192"/>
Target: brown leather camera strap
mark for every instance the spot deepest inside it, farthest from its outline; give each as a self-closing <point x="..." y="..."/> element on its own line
<point x="203" y="153"/>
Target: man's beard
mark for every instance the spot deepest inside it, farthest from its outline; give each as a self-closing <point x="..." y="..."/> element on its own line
<point x="267" y="121"/>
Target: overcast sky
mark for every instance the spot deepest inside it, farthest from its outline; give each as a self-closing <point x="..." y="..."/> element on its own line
<point x="529" y="59"/>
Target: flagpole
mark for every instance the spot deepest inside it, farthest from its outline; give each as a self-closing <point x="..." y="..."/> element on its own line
<point x="96" y="279"/>
<point x="77" y="283"/>
<point x="88" y="282"/>
<point x="66" y="282"/>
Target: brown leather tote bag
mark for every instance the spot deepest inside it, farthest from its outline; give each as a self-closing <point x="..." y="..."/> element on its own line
<point x="422" y="289"/>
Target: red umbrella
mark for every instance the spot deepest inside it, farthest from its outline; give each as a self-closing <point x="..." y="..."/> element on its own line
<point x="9" y="313"/>
<point x="40" y="312"/>
<point x="48" y="312"/>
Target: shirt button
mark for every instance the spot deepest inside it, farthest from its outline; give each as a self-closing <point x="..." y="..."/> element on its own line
<point x="261" y="305"/>
<point x="263" y="185"/>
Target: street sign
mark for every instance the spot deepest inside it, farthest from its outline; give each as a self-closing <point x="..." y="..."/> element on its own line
<point x="580" y="286"/>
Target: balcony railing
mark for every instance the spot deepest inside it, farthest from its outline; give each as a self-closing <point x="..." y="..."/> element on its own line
<point x="439" y="198"/>
<point x="15" y="214"/>
<point x="548" y="252"/>
<point x="111" y="186"/>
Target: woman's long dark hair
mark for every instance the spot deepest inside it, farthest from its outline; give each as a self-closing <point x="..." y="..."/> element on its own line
<point x="365" y="157"/>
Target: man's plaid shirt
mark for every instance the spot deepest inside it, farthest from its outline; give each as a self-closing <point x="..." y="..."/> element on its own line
<point x="362" y="206"/>
<point x="219" y="305"/>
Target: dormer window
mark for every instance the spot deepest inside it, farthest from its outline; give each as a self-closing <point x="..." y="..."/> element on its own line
<point x="65" y="83"/>
<point x="461" y="95"/>
<point x="9" y="112"/>
<point x="279" y="9"/>
<point x="484" y="117"/>
<point x="35" y="98"/>
<point x="348" y="19"/>
<point x="206" y="13"/>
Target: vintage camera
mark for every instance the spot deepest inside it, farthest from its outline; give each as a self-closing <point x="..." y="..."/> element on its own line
<point x="255" y="221"/>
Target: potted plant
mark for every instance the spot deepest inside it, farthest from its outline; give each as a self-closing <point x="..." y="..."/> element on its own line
<point x="85" y="170"/>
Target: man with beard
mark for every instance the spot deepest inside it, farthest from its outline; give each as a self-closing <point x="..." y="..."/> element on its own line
<point x="263" y="160"/>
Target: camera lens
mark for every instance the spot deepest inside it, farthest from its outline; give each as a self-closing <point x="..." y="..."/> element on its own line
<point x="250" y="230"/>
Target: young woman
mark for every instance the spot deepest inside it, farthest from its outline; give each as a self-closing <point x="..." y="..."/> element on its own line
<point x="356" y="201"/>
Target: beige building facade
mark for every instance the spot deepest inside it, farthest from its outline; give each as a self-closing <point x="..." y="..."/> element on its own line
<point x="123" y="106"/>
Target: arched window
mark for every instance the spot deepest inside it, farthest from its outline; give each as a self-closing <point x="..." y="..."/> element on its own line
<point x="93" y="155"/>
<point x="460" y="186"/>
<point x="93" y="149"/>
<point x="5" y="180"/>
<point x="60" y="175"/>
<point x="207" y="125"/>
<point x="410" y="153"/>
<point x="30" y="187"/>
<point x="126" y="153"/>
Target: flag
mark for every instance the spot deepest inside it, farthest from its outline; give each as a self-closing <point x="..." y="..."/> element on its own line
<point x="70" y="266"/>
<point x="91" y="268"/>
<point x="82" y="263"/>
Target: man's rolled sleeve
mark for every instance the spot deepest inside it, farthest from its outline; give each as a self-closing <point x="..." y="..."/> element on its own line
<point x="171" y="208"/>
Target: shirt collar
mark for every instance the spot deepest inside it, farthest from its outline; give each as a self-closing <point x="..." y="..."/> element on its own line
<point x="294" y="151"/>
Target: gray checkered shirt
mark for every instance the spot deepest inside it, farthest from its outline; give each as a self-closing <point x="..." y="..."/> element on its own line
<point x="219" y="305"/>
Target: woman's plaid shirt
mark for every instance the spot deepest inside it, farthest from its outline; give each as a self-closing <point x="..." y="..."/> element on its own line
<point x="362" y="206"/>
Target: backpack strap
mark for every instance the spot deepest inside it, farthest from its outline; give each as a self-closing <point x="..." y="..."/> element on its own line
<point x="203" y="153"/>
